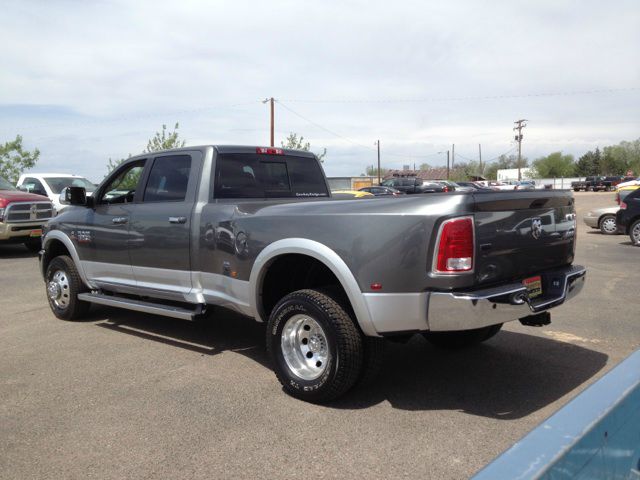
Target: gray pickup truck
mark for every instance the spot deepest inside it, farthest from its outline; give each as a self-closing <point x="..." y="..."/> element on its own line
<point x="255" y="230"/>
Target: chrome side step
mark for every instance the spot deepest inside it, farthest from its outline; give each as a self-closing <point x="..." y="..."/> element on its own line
<point x="140" y="306"/>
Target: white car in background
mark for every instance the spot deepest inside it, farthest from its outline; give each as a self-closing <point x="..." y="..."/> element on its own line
<point x="51" y="184"/>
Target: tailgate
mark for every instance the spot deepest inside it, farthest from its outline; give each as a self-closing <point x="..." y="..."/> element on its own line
<point x="522" y="233"/>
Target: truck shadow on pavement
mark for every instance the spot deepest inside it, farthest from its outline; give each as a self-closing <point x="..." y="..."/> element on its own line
<point x="16" y="251"/>
<point x="508" y="377"/>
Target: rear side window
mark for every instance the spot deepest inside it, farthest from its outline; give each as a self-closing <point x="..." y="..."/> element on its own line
<point x="242" y="175"/>
<point x="168" y="179"/>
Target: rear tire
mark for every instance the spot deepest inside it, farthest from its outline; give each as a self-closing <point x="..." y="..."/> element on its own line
<point x="373" y="359"/>
<point x="314" y="345"/>
<point x="462" y="338"/>
<point x="634" y="233"/>
<point x="63" y="286"/>
<point x="608" y="225"/>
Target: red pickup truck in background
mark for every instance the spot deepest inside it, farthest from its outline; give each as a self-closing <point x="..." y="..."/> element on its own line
<point x="22" y="216"/>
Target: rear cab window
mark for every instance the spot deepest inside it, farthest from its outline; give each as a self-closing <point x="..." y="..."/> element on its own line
<point x="247" y="175"/>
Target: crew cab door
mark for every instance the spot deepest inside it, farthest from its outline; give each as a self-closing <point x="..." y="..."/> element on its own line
<point x="160" y="225"/>
<point x="102" y="240"/>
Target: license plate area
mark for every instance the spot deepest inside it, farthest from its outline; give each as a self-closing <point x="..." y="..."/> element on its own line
<point x="36" y="233"/>
<point x="534" y="286"/>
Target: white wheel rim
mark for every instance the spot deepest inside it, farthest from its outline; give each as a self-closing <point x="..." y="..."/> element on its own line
<point x="58" y="289"/>
<point x="304" y="347"/>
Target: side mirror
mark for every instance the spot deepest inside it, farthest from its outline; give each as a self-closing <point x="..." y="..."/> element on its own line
<point x="73" y="196"/>
<point x="22" y="188"/>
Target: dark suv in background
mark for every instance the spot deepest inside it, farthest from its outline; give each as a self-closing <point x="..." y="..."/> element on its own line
<point x="628" y="217"/>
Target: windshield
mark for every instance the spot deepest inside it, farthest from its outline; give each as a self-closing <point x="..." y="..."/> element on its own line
<point x="4" y="185"/>
<point x="58" y="183"/>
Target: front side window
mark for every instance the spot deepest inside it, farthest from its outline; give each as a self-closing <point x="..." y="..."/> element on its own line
<point x="33" y="185"/>
<point x="122" y="187"/>
<point x="242" y="175"/>
<point x="168" y="179"/>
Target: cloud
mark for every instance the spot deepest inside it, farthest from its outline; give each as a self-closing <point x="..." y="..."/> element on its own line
<point x="85" y="81"/>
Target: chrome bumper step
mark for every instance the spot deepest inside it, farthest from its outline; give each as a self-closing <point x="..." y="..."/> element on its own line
<point x="141" y="306"/>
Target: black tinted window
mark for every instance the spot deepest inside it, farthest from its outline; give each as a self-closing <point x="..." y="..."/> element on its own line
<point x="168" y="179"/>
<point x="257" y="176"/>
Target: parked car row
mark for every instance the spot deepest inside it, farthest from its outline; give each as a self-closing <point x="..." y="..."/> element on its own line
<point x="26" y="207"/>
<point x="605" y="219"/>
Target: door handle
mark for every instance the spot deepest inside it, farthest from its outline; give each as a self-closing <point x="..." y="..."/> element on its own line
<point x="119" y="220"/>
<point x="177" y="219"/>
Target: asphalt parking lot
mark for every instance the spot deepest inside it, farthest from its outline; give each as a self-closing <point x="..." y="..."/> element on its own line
<point x="128" y="395"/>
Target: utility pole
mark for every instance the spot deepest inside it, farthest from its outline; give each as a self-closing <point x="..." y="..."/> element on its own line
<point x="378" y="143"/>
<point x="519" y="126"/>
<point x="480" y="159"/>
<point x="271" y="102"/>
<point x="453" y="155"/>
<point x="447" y="164"/>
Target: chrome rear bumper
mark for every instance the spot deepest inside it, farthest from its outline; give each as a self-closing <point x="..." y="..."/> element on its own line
<point x="481" y="308"/>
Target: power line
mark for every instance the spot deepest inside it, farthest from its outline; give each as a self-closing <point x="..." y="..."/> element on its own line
<point x="392" y="154"/>
<point x="450" y="99"/>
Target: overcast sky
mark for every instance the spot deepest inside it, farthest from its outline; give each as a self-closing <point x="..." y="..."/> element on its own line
<point x="86" y="81"/>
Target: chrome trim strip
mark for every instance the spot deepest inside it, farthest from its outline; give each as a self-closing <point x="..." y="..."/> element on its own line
<point x="138" y="306"/>
<point x="322" y="253"/>
<point x="468" y="310"/>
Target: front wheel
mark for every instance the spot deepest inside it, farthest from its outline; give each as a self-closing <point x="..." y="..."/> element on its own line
<point x="315" y="346"/>
<point x="462" y="338"/>
<point x="608" y="225"/>
<point x="63" y="286"/>
<point x="634" y="233"/>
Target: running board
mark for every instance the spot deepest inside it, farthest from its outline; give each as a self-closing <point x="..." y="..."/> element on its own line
<point x="140" y="306"/>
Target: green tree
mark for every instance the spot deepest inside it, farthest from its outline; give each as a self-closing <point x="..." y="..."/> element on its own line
<point x="554" y="165"/>
<point x="14" y="159"/>
<point x="617" y="159"/>
<point x="425" y="166"/>
<point x="589" y="164"/>
<point x="503" y="162"/>
<point x="297" y="143"/>
<point x="162" y="140"/>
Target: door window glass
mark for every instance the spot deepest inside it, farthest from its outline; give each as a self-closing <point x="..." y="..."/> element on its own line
<point x="33" y="185"/>
<point x="168" y="179"/>
<point x="122" y="187"/>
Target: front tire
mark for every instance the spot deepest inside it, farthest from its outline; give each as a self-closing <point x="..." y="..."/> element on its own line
<point x="63" y="286"/>
<point x="314" y="345"/>
<point x="634" y="233"/>
<point x="608" y="225"/>
<point x="463" y="338"/>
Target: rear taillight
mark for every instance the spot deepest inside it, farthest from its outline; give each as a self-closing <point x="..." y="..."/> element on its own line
<point x="455" y="246"/>
<point x="445" y="189"/>
<point x="269" y="151"/>
<point x="623" y="206"/>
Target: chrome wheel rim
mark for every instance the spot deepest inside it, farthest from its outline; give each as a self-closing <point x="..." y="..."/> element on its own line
<point x="304" y="347"/>
<point x="609" y="225"/>
<point x="635" y="234"/>
<point x="58" y="289"/>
